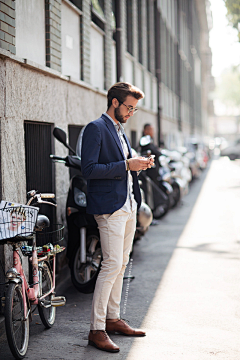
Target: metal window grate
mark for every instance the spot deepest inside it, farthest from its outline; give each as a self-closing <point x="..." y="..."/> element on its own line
<point x="40" y="174"/>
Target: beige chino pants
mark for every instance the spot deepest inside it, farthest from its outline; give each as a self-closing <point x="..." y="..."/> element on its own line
<point x="116" y="237"/>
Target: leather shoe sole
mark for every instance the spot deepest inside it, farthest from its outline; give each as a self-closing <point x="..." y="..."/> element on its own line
<point x="122" y="333"/>
<point x="90" y="342"/>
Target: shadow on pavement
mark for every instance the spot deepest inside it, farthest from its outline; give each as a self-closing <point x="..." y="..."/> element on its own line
<point x="68" y="337"/>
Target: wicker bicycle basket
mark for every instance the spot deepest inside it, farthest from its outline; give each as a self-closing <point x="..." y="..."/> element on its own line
<point x="17" y="222"/>
<point x="54" y="236"/>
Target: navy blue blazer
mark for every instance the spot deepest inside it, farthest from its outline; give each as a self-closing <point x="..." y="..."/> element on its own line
<point x="104" y="168"/>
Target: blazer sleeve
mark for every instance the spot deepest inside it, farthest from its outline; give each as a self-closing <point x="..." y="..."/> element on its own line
<point x="91" y="168"/>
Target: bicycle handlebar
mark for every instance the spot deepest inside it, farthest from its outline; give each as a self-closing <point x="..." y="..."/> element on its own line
<point x="39" y="198"/>
<point x="71" y="161"/>
<point x="47" y="196"/>
<point x="58" y="158"/>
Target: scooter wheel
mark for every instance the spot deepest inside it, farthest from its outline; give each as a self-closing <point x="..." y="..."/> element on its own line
<point x="176" y="194"/>
<point x="84" y="275"/>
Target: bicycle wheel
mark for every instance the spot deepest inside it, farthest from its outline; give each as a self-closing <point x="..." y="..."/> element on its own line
<point x="17" y="329"/>
<point x="48" y="312"/>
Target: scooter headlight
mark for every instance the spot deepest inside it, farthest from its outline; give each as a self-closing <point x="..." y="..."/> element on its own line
<point x="80" y="198"/>
<point x="167" y="177"/>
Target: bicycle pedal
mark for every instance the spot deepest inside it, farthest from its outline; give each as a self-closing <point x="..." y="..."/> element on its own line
<point x="58" y="301"/>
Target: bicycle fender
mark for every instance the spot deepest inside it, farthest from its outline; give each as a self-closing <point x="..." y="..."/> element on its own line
<point x="15" y="280"/>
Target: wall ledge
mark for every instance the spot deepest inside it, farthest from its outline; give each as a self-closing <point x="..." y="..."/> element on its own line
<point x="48" y="71"/>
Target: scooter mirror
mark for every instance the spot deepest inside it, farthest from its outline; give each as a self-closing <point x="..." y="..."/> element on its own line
<point x="60" y="135"/>
<point x="145" y="140"/>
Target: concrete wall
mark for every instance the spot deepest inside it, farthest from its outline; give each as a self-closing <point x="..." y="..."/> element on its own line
<point x="31" y="95"/>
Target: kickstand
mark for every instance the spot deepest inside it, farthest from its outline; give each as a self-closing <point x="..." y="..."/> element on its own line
<point x="131" y="277"/>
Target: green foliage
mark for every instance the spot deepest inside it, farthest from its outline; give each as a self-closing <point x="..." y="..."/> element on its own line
<point x="228" y="85"/>
<point x="97" y="7"/>
<point x="233" y="14"/>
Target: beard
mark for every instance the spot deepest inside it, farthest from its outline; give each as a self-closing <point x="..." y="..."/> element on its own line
<point x="118" y="116"/>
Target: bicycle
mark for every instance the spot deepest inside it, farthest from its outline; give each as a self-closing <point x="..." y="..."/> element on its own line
<point x="20" y="296"/>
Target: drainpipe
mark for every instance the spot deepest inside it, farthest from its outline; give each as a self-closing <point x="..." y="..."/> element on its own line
<point x="158" y="70"/>
<point x="118" y="40"/>
<point x="179" y="68"/>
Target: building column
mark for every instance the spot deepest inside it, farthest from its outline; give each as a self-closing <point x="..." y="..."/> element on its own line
<point x="86" y="46"/>
<point x="7" y="25"/>
<point x="53" y="34"/>
<point x="108" y="43"/>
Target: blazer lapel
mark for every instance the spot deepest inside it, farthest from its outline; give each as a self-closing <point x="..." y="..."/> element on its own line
<point x="128" y="145"/>
<point x="114" y="133"/>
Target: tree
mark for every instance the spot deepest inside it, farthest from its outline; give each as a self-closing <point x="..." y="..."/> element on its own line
<point x="233" y="14"/>
<point x="228" y="85"/>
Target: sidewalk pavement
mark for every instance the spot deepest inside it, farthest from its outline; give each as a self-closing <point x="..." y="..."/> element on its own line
<point x="186" y="287"/>
<point x="195" y="312"/>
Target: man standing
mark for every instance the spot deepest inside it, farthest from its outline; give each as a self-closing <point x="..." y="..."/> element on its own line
<point x="113" y="198"/>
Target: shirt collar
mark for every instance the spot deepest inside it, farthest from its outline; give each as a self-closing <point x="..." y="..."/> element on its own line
<point x="118" y="126"/>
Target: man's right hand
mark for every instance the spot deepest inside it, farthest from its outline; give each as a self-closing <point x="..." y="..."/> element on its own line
<point x="140" y="163"/>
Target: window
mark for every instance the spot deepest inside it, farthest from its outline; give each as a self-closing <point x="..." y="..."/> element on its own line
<point x="70" y="28"/>
<point x="30" y="31"/>
<point x="97" y="13"/>
<point x="77" y="3"/>
<point x="97" y="31"/>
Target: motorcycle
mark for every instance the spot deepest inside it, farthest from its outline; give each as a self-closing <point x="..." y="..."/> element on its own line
<point x="161" y="174"/>
<point x="179" y="167"/>
<point x="155" y="198"/>
<point x="83" y="249"/>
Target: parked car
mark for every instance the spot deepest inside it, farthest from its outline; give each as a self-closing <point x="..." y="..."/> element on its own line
<point x="232" y="151"/>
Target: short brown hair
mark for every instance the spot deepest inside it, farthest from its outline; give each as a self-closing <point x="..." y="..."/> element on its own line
<point x="121" y="90"/>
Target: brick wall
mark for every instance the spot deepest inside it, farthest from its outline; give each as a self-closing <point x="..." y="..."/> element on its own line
<point x="53" y="33"/>
<point x="7" y="25"/>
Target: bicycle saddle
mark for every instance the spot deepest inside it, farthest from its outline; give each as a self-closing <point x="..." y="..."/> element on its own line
<point x="42" y="222"/>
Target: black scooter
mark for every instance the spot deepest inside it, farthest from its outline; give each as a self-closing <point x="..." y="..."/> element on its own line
<point x="161" y="176"/>
<point x="83" y="249"/>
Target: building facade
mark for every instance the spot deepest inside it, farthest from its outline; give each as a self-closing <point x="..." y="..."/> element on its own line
<point x="59" y="57"/>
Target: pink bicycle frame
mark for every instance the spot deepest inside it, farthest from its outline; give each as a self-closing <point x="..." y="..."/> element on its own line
<point x="32" y="293"/>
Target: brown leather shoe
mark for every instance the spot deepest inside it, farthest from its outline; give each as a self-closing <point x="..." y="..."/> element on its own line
<point x="101" y="340"/>
<point x="123" y="328"/>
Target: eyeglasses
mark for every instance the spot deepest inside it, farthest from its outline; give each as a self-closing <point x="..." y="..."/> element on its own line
<point x="130" y="108"/>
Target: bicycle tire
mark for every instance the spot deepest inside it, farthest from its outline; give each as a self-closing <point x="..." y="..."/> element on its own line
<point x="47" y="315"/>
<point x="17" y="329"/>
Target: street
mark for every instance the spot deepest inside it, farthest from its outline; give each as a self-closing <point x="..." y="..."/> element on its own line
<point x="186" y="290"/>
